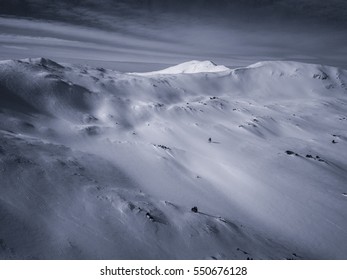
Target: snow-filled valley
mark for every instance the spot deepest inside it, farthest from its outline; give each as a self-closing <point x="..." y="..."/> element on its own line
<point x="98" y="164"/>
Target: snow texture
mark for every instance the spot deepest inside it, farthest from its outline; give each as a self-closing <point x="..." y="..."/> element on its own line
<point x="193" y="162"/>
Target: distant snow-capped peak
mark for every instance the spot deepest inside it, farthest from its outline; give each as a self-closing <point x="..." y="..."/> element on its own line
<point x="190" y="67"/>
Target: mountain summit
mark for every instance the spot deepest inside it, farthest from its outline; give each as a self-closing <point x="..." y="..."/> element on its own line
<point x="190" y="67"/>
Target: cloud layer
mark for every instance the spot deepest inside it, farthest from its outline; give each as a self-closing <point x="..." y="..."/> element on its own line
<point x="165" y="32"/>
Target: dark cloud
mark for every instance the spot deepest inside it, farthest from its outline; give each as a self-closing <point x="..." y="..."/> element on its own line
<point x="317" y="11"/>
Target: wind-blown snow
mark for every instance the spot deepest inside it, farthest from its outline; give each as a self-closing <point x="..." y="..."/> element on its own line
<point x="99" y="164"/>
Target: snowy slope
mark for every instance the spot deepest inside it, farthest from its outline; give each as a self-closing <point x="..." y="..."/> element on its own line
<point x="98" y="164"/>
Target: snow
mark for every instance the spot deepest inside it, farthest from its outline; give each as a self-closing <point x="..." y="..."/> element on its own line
<point x="98" y="164"/>
<point x="189" y="67"/>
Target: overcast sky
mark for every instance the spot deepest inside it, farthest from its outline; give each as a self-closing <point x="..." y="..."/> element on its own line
<point x="150" y="34"/>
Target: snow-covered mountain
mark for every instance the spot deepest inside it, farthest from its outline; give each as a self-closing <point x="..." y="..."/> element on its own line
<point x="98" y="164"/>
<point x="189" y="67"/>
